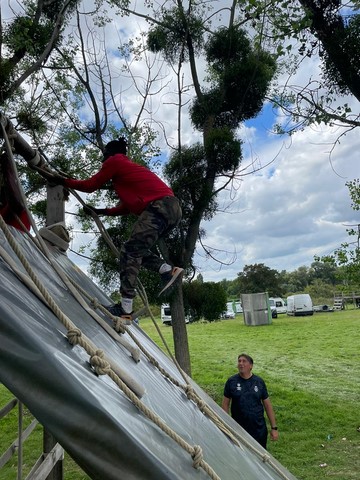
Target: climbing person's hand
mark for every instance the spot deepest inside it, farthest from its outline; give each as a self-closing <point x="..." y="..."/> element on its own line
<point x="53" y="178"/>
<point x="57" y="180"/>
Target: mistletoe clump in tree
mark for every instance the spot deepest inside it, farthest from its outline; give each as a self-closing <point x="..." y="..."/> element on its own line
<point x="239" y="77"/>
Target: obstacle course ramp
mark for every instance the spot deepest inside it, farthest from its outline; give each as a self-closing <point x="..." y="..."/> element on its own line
<point x="89" y="415"/>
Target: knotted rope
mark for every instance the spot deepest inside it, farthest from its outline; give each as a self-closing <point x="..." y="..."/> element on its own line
<point x="233" y="435"/>
<point x="98" y="360"/>
<point x="102" y="366"/>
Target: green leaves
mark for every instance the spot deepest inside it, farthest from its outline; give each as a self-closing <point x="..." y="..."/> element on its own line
<point x="354" y="191"/>
<point x="204" y="300"/>
<point x="28" y="39"/>
<point x="347" y="256"/>
<point x="171" y="36"/>
<point x="240" y="77"/>
<point x="24" y="34"/>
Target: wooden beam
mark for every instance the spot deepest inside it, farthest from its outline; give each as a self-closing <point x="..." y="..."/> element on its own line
<point x="8" y="407"/>
<point x="55" y="208"/>
<point x="46" y="464"/>
<point x="15" y="445"/>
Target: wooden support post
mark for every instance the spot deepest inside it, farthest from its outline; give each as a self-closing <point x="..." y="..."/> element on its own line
<point x="55" y="213"/>
<point x="20" y="443"/>
<point x="55" y="210"/>
<point x="49" y="443"/>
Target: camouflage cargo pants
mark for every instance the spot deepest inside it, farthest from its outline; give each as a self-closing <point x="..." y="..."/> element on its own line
<point x="153" y="223"/>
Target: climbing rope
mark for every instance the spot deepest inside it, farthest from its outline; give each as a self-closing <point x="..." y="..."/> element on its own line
<point x="102" y="365"/>
<point x="233" y="435"/>
<point x="98" y="360"/>
<point x="86" y="343"/>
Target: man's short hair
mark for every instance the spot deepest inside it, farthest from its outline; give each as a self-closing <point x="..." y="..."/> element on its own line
<point x="248" y="358"/>
<point x="116" y="146"/>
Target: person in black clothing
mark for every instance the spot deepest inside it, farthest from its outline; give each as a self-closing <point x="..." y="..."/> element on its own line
<point x="248" y="396"/>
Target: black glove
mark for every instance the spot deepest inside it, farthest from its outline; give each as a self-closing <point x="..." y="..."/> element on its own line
<point x="89" y="210"/>
<point x="57" y="180"/>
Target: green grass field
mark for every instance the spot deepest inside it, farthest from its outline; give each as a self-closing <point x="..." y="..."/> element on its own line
<point x="312" y="369"/>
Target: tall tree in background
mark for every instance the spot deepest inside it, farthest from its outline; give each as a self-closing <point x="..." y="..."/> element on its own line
<point x="259" y="278"/>
<point x="323" y="271"/>
<point x="27" y="41"/>
<point x="347" y="256"/>
<point x="233" y="90"/>
<point x="205" y="300"/>
<point x="239" y="76"/>
<point x="69" y="106"/>
<point x="338" y="31"/>
<point x="29" y="33"/>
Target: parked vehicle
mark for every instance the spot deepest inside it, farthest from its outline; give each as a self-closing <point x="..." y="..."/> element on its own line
<point x="322" y="308"/>
<point x="234" y="307"/>
<point x="166" y="314"/>
<point x="229" y="314"/>
<point x="274" y="312"/>
<point x="238" y="308"/>
<point x="299" y="305"/>
<point x="278" y="303"/>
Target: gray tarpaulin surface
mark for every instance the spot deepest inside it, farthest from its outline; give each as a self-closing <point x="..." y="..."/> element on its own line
<point x="88" y="414"/>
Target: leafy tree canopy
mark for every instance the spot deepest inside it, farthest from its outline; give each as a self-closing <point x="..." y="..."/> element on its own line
<point x="171" y="35"/>
<point x="259" y="278"/>
<point x="346" y="258"/>
<point x="28" y="39"/>
<point x="205" y="300"/>
<point x="240" y="76"/>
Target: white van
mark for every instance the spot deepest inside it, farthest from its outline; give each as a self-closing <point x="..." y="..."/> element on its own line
<point x="299" y="305"/>
<point x="166" y="314"/>
<point x="278" y="303"/>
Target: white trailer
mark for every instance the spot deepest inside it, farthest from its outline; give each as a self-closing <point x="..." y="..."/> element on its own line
<point x="165" y="314"/>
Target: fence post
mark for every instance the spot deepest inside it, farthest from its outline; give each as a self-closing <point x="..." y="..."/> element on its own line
<point x="48" y="444"/>
<point x="20" y="444"/>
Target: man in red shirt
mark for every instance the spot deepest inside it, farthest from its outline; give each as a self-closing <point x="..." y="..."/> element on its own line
<point x="144" y="194"/>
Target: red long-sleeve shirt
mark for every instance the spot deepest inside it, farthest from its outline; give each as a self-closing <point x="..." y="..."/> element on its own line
<point x="135" y="185"/>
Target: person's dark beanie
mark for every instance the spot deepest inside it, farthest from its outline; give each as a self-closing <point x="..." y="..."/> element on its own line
<point x="116" y="146"/>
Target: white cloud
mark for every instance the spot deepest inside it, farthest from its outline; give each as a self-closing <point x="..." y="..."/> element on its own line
<point x="295" y="208"/>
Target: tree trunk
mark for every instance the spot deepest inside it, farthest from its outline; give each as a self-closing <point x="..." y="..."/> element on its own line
<point x="181" y="344"/>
